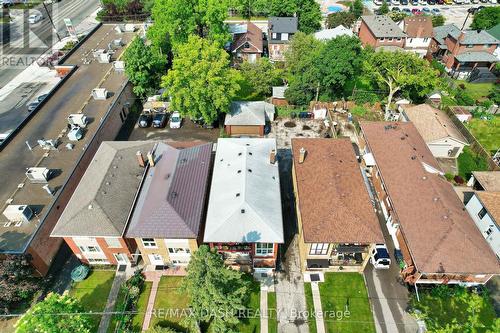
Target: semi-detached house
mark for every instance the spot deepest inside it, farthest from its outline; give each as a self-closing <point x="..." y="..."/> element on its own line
<point x="438" y="240"/>
<point x="380" y="31"/>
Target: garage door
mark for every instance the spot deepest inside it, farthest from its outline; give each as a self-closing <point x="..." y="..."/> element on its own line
<point x="245" y="130"/>
<point x="440" y="150"/>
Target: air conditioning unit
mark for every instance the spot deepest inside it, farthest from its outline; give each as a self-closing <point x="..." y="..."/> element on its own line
<point x="38" y="175"/>
<point x="78" y="119"/>
<point x="18" y="213"/>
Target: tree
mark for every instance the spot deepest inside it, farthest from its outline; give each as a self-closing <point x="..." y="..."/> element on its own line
<point x="56" y="313"/>
<point x="486" y="18"/>
<point x="283" y="7"/>
<point x="309" y="16"/>
<point x="397" y="16"/>
<point x="345" y="19"/>
<point x="16" y="281"/>
<point x="437" y="20"/>
<point x="357" y="8"/>
<point x="399" y="71"/>
<point x="261" y="75"/>
<point x="177" y="19"/>
<point x="215" y="292"/>
<point x="201" y="83"/>
<point x="143" y="67"/>
<point x="159" y="329"/>
<point x="384" y="9"/>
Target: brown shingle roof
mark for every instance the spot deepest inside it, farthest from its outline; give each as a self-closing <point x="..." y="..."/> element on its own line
<point x="491" y="201"/>
<point x="333" y="199"/>
<point x="418" y="27"/>
<point x="253" y="36"/>
<point x="432" y="124"/>
<point x="489" y="180"/>
<point x="440" y="234"/>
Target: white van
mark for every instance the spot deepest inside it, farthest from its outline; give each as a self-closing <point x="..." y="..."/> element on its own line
<point x="380" y="258"/>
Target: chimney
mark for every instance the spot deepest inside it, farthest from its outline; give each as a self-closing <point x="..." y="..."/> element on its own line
<point x="302" y="155"/>
<point x="151" y="159"/>
<point x="272" y="156"/>
<point x="140" y="159"/>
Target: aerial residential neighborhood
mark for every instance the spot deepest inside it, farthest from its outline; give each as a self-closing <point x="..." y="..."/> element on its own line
<point x="266" y="166"/>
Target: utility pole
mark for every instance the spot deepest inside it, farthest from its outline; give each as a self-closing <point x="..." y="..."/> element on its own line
<point x="51" y="22"/>
<point x="471" y="10"/>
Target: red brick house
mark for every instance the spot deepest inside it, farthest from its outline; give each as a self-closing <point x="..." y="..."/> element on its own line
<point x="380" y="31"/>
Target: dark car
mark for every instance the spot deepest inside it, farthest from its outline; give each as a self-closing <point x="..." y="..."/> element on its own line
<point x="414" y="2"/>
<point x="32" y="106"/>
<point x="144" y="120"/>
<point x="159" y="119"/>
<point x="431" y="2"/>
<point x="42" y="97"/>
<point x="395" y="9"/>
<point x="404" y="2"/>
<point x="440" y="2"/>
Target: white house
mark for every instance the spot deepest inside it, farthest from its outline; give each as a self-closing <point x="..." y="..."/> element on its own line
<point x="484" y="208"/>
<point x="436" y="128"/>
<point x="419" y="33"/>
<point x="327" y="34"/>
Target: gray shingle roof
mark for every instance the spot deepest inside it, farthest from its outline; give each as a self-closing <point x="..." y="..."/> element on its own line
<point x="383" y="26"/>
<point x="104" y="197"/>
<point x="249" y="113"/>
<point x="478" y="37"/>
<point x="476" y="56"/>
<point x="173" y="195"/>
<point x="283" y="24"/>
<point x="441" y="32"/>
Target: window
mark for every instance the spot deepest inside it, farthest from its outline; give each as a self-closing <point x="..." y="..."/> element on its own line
<point x="157" y="257"/>
<point x="275" y="35"/>
<point x="113" y="242"/>
<point x="411" y="40"/>
<point x="486" y="46"/>
<point x="381" y="39"/>
<point x="149" y="242"/>
<point x="489" y="231"/>
<point x="318" y="248"/>
<point x="178" y="250"/>
<point x="482" y="213"/>
<point x="93" y="249"/>
<point x="264" y="249"/>
<point x="470" y="46"/>
<point x="97" y="261"/>
<point x="389" y="39"/>
<point x="177" y="261"/>
<point x="284" y="36"/>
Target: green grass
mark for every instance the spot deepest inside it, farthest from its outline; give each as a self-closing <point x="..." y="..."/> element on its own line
<point x="468" y="161"/>
<point x="168" y="297"/>
<point x="118" y="307"/>
<point x="478" y="91"/>
<point x="341" y="292"/>
<point x="310" y="307"/>
<point x="246" y="92"/>
<point x="272" y="322"/>
<point x="487" y="132"/>
<point x="142" y="304"/>
<point x="251" y="325"/>
<point x="93" y="292"/>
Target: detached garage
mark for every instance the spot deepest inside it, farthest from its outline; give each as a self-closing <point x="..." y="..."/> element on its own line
<point x="248" y="118"/>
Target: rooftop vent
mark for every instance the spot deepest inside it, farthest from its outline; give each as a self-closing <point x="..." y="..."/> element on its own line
<point x="174" y="195"/>
<point x="242" y="211"/>
<point x="237" y="194"/>
<point x="302" y="155"/>
<point x="249" y="170"/>
<point x="239" y="171"/>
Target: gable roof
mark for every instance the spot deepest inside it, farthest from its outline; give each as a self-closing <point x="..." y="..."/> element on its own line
<point x="332" y="196"/>
<point x="418" y="26"/>
<point x="495" y="31"/>
<point x="440" y="234"/>
<point x="432" y="124"/>
<point x="172" y="198"/>
<point x="491" y="201"/>
<point x="283" y="24"/>
<point x="489" y="180"/>
<point x="248" y="113"/>
<point x="478" y="37"/>
<point x="476" y="56"/>
<point x="440" y="33"/>
<point x="327" y="34"/>
<point x="383" y="26"/>
<point x="252" y="36"/>
<point x="245" y="200"/>
<point x="103" y="199"/>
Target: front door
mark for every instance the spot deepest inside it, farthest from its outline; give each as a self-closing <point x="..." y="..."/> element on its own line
<point x="156" y="259"/>
<point x="121" y="259"/>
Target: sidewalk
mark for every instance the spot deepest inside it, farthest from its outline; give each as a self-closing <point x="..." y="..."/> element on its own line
<point x="151" y="301"/>
<point x="263" y="310"/>
<point x="320" y="325"/>
<point x="120" y="277"/>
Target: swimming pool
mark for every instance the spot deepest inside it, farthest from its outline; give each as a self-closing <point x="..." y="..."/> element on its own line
<point x="335" y="9"/>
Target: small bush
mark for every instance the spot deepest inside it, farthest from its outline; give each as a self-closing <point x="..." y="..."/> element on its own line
<point x="464" y="98"/>
<point x="458" y="180"/>
<point x="359" y="111"/>
<point x="448" y="176"/>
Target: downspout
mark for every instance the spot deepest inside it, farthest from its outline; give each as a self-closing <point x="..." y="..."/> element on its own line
<point x="416" y="289"/>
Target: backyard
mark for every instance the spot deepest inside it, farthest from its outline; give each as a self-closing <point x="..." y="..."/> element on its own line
<point x="310" y="308"/>
<point x="271" y="306"/>
<point x="251" y="325"/>
<point x="93" y="292"/>
<point x="487" y="132"/>
<point x="345" y="295"/>
<point x="168" y="299"/>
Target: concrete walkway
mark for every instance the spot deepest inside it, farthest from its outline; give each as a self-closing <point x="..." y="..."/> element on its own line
<point x="151" y="301"/>
<point x="263" y="310"/>
<point x="318" y="310"/>
<point x="120" y="277"/>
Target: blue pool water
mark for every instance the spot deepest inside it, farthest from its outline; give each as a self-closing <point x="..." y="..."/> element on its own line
<point x="334" y="9"/>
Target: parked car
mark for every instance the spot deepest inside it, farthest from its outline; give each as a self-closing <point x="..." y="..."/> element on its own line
<point x="422" y="2"/>
<point x="440" y="2"/>
<point x="474" y="1"/>
<point x="33" y="105"/>
<point x="494" y="1"/>
<point x="416" y="11"/>
<point x="160" y="119"/>
<point x="414" y="2"/>
<point x="426" y="10"/>
<point x="380" y="258"/>
<point x="404" y="2"/>
<point x="377" y="2"/>
<point x="35" y="18"/>
<point x="458" y="2"/>
<point x="448" y="2"/>
<point x="175" y="120"/>
<point x="406" y="11"/>
<point x="436" y="11"/>
<point x="144" y="120"/>
<point x="431" y="2"/>
<point x="466" y="2"/>
<point x="394" y="2"/>
<point x="395" y="9"/>
<point x="42" y="97"/>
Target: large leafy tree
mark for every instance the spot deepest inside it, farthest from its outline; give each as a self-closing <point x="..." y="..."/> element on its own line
<point x="143" y="67"/>
<point x="486" y="18"/>
<point x="215" y="292"/>
<point x="400" y="72"/>
<point x="177" y="19"/>
<point x="201" y="83"/>
<point x="307" y="11"/>
<point x="283" y="7"/>
<point x="56" y="313"/>
<point x="346" y="19"/>
<point x="261" y="75"/>
<point x="357" y="8"/>
<point x="17" y="282"/>
<point x="384" y="9"/>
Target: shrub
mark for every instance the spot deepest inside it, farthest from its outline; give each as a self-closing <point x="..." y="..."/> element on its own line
<point x="437" y="65"/>
<point x="448" y="176"/>
<point x="458" y="180"/>
<point x="358" y="111"/>
<point x="469" y="161"/>
<point x="464" y="98"/>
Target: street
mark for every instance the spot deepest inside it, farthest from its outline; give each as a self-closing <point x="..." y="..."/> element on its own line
<point x="20" y="37"/>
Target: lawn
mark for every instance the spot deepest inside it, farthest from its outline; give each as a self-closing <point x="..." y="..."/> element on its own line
<point x="441" y="307"/>
<point x="118" y="307"/>
<point x="345" y="295"/>
<point x="142" y="304"/>
<point x="93" y="292"/>
<point x="310" y="307"/>
<point x="478" y="91"/>
<point x="272" y="322"/>
<point x="487" y="132"/>
<point x="251" y="325"/>
<point x="468" y="161"/>
<point x="246" y="92"/>
<point x="168" y="299"/>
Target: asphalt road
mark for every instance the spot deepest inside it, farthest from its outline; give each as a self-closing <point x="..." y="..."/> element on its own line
<point x="20" y="37"/>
